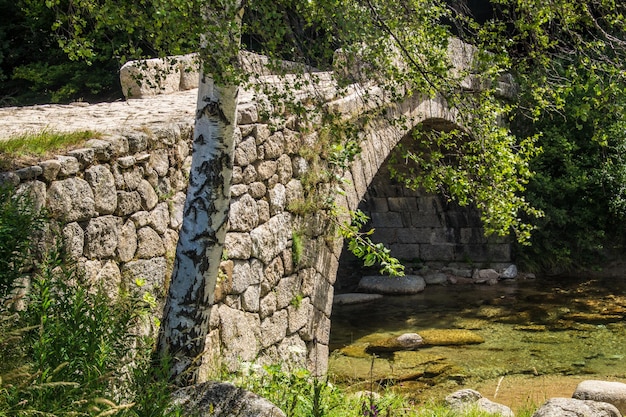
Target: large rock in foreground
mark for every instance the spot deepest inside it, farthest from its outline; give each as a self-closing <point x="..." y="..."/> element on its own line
<point x="571" y="407"/>
<point x="604" y="391"/>
<point x="408" y="284"/>
<point x="219" y="399"/>
<point x="466" y="400"/>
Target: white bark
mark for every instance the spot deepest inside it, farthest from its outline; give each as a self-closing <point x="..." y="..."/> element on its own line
<point x="199" y="251"/>
<point x="201" y="239"/>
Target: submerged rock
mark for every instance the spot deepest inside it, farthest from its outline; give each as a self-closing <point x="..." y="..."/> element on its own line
<point x="571" y="407"/>
<point x="355" y="298"/>
<point x="407" y="341"/>
<point x="447" y="337"/>
<point x="408" y="284"/>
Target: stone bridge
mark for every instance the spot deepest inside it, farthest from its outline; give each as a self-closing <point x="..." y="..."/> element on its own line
<point x="118" y="201"/>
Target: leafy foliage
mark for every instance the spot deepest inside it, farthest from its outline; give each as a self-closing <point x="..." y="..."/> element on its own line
<point x="69" y="348"/>
<point x="19" y="223"/>
<point x="580" y="177"/>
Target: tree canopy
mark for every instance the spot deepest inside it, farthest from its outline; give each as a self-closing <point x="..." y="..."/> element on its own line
<point x="556" y="50"/>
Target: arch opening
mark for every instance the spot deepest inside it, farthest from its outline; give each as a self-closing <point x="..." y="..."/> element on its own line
<point x="421" y="229"/>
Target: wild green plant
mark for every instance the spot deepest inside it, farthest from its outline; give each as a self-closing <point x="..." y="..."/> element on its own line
<point x="19" y="222"/>
<point x="71" y="349"/>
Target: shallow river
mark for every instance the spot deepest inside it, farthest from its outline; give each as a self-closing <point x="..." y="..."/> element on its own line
<point x="540" y="339"/>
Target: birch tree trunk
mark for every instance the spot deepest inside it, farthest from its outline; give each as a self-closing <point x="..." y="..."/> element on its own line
<point x="185" y="321"/>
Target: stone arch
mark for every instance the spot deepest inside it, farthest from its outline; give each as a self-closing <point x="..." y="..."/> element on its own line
<point x="420" y="229"/>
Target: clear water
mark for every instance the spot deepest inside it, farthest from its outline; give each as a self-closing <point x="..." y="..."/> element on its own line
<point x="533" y="329"/>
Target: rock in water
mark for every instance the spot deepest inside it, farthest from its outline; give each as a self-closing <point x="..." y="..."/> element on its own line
<point x="355" y="298"/>
<point x="604" y="391"/>
<point x="406" y="341"/>
<point x="571" y="407"/>
<point x="219" y="399"/>
<point x="509" y="273"/>
<point x="408" y="284"/>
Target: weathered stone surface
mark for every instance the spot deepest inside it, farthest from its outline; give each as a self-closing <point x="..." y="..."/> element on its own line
<point x="220" y="399"/>
<point x="151" y="271"/>
<point x="159" y="218"/>
<point x="571" y="407"/>
<point x="243" y="215"/>
<point x="257" y="190"/>
<point x="465" y="400"/>
<point x="127" y="241"/>
<point x="128" y="202"/>
<point x="273" y="328"/>
<point x="251" y="298"/>
<point x="110" y="278"/>
<point x="435" y="278"/>
<point x="69" y="165"/>
<point x="238" y="336"/>
<point x="71" y="200"/>
<point x="284" y="169"/>
<point x="603" y="391"/>
<point x="176" y="210"/>
<point x="159" y="161"/>
<point x="278" y="199"/>
<point x="149" y="77"/>
<point x="29" y="173"/>
<point x="274" y="145"/>
<point x="271" y="238"/>
<point x="244" y="276"/>
<point x="84" y="156"/>
<point x="408" y="284"/>
<point x="132" y="177"/>
<point x="268" y="305"/>
<point x="50" y="169"/>
<point x="35" y="191"/>
<point x="245" y="152"/>
<point x="299" y="315"/>
<point x="149" y="244"/>
<point x="509" y="273"/>
<point x="103" y="185"/>
<point x="103" y="149"/>
<point x="238" y="245"/>
<point x="286" y="291"/>
<point x="101" y="236"/>
<point x="247" y="114"/>
<point x="149" y="197"/>
<point x="74" y="239"/>
<point x="266" y="169"/>
<point x="355" y="298"/>
<point x="489" y="276"/>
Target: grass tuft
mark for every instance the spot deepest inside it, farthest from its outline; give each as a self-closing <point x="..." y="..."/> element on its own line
<point x="19" y="151"/>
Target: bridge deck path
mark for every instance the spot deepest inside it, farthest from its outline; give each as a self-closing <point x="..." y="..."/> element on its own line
<point x="152" y="112"/>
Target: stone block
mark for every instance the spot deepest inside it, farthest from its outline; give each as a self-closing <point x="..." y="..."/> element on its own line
<point x="101" y="237"/>
<point x="103" y="185"/>
<point x="149" y="244"/>
<point x="271" y="238"/>
<point x="437" y="252"/>
<point x="71" y="200"/>
<point x="238" y="245"/>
